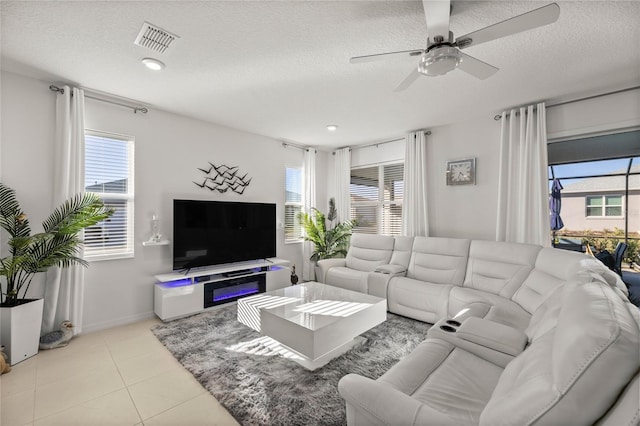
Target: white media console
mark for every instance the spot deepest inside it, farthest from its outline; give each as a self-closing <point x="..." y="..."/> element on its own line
<point x="180" y="294"/>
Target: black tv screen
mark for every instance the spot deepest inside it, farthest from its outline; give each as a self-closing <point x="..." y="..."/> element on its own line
<point x="215" y="232"/>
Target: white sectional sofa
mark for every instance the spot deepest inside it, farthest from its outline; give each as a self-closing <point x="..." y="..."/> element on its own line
<point x="522" y="335"/>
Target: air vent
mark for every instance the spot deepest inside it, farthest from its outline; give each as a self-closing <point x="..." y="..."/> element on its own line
<point x="154" y="38"/>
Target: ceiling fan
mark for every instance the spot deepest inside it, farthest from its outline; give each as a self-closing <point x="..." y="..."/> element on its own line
<point x="443" y="54"/>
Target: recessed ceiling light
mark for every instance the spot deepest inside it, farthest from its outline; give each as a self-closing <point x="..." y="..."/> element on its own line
<point x="332" y="127"/>
<point x="153" y="64"/>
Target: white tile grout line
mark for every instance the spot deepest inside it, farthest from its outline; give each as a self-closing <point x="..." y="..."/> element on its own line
<point x="34" y="419"/>
<point x="125" y="384"/>
<point x="176" y="406"/>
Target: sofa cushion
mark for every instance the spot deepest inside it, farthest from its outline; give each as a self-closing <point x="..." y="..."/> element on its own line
<point x="498" y="267"/>
<point x="417" y="299"/>
<point x="347" y="278"/>
<point x="439" y="260"/>
<point x="446" y="379"/>
<point x="553" y="267"/>
<point x="566" y="375"/>
<point x="366" y="252"/>
<point x="626" y="410"/>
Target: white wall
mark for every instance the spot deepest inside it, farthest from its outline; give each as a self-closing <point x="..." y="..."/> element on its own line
<point x="26" y="151"/>
<point x="168" y="150"/>
<point x="464" y="211"/>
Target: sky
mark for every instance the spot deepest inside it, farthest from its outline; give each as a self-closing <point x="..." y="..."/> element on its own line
<point x="594" y="167"/>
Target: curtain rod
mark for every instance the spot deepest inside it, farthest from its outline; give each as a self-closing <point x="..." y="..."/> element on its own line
<point x="135" y="109"/>
<point x="426" y="132"/>
<point x="499" y="116"/>
<point x="293" y="145"/>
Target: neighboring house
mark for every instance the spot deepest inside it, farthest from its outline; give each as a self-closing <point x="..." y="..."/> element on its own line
<point x="599" y="203"/>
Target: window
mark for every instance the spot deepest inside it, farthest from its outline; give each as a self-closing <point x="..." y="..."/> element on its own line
<point x="109" y="174"/>
<point x="604" y="205"/>
<point x="376" y="199"/>
<point x="292" y="204"/>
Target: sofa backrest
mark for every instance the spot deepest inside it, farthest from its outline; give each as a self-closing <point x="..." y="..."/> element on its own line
<point x="499" y="267"/>
<point x="402" y="251"/>
<point x="553" y="267"/>
<point x="545" y="317"/>
<point x="439" y="260"/>
<point x="368" y="251"/>
<point x="574" y="372"/>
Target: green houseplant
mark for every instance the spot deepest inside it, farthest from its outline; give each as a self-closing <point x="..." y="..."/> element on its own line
<point x="329" y="241"/>
<point x="28" y="254"/>
<point x="58" y="245"/>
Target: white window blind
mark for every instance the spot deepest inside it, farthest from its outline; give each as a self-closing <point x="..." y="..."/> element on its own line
<point x="376" y="199"/>
<point x="293" y="204"/>
<point x="109" y="174"/>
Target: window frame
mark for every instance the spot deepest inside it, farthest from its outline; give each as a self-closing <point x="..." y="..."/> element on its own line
<point x="603" y="206"/>
<point x="380" y="204"/>
<point x="287" y="203"/>
<point x="128" y="251"/>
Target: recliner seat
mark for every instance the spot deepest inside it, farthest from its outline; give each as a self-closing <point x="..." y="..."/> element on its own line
<point x="366" y="252"/>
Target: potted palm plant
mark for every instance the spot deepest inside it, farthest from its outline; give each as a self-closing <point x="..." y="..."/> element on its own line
<point x="28" y="254"/>
<point x="328" y="241"/>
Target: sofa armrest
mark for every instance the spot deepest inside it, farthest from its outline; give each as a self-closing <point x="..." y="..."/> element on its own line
<point x="373" y="402"/>
<point x="324" y="265"/>
<point x="493" y="335"/>
<point x="491" y="341"/>
<point x="474" y="309"/>
<point x="378" y="280"/>
<point x="395" y="270"/>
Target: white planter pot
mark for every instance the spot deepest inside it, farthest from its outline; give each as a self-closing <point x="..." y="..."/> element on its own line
<point x="20" y="330"/>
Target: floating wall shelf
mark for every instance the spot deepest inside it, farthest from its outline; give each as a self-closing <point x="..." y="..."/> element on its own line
<point x="155" y="243"/>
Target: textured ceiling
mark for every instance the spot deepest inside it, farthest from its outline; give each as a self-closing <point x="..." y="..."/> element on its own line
<point x="281" y="68"/>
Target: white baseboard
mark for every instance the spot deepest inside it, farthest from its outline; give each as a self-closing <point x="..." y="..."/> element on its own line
<point x="90" y="328"/>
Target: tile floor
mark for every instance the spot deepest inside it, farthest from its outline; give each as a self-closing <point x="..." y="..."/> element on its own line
<point x="120" y="376"/>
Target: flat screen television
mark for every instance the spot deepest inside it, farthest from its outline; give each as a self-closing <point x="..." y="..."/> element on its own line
<point x="207" y="233"/>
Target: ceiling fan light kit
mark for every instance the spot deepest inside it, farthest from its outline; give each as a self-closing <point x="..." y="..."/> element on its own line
<point x="439" y="61"/>
<point x="443" y="54"/>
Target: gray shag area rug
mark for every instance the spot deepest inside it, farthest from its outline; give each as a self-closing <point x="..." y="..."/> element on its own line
<point x="259" y="386"/>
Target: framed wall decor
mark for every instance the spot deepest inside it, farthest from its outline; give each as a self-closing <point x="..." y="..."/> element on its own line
<point x="461" y="172"/>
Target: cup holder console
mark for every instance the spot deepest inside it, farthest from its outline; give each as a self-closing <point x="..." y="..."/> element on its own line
<point x="450" y="326"/>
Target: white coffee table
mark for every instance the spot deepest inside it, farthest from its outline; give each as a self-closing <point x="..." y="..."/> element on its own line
<point x="316" y="321"/>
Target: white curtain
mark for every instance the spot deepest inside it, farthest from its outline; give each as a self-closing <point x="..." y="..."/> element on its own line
<point x="64" y="290"/>
<point x="523" y="187"/>
<point x="342" y="179"/>
<point x="414" y="206"/>
<point x="308" y="273"/>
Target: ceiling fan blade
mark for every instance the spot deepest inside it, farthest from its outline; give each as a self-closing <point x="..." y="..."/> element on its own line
<point x="476" y="67"/>
<point x="536" y="18"/>
<point x="384" y="56"/>
<point x="411" y="78"/>
<point x="437" y="14"/>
